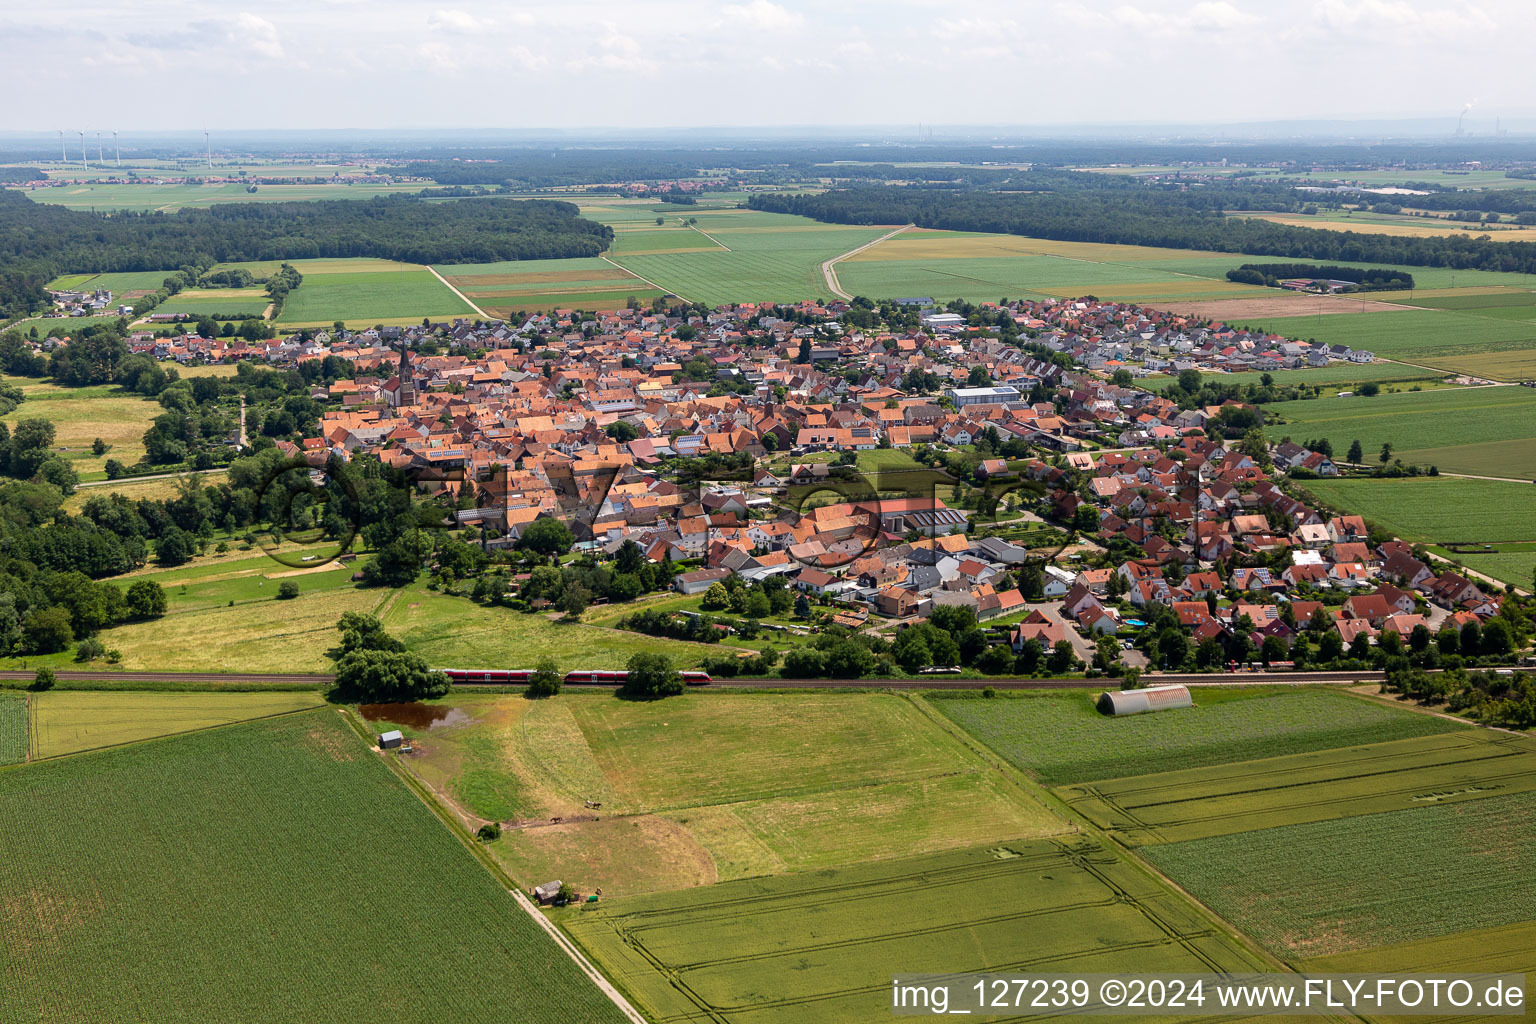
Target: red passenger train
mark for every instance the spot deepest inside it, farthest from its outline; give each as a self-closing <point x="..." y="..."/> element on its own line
<point x="521" y="676"/>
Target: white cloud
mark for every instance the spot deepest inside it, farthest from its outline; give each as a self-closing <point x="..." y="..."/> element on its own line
<point x="461" y="22"/>
<point x="259" y="34"/>
<point x="764" y="14"/>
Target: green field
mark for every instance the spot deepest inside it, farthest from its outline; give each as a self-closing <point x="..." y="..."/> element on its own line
<point x="1488" y="431"/>
<point x="1335" y="886"/>
<point x="1438" y="509"/>
<point x="217" y="301"/>
<point x="814" y="948"/>
<point x="276" y="870"/>
<point x="711" y="786"/>
<point x="1509" y="563"/>
<point x="1448" y="339"/>
<point x="1334" y="375"/>
<point x="135" y="282"/>
<point x="13" y="727"/>
<point x="503" y="289"/>
<point x="1508" y="949"/>
<point x="166" y="198"/>
<point x="369" y="295"/>
<point x="1060" y="738"/>
<point x="1198" y="803"/>
<point x="771" y="257"/>
<point x="67" y="722"/>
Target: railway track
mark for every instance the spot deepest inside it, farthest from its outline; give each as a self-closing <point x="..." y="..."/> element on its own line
<point x="916" y="683"/>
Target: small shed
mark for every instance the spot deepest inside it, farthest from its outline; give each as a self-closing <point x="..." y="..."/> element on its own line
<point x="1153" y="698"/>
<point x="547" y="892"/>
<point x="390" y="740"/>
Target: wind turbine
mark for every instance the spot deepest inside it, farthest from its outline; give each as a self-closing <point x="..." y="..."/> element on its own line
<point x="210" y="148"/>
<point x="83" y="162"/>
<point x="63" y="153"/>
<point x="101" y="158"/>
<point x="118" y="148"/>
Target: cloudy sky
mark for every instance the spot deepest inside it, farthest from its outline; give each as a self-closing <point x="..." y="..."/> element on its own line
<point x="155" y="64"/>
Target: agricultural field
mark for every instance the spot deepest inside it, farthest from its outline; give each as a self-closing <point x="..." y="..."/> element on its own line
<point x="364" y="292"/>
<point x="809" y="948"/>
<point x="1507" y="949"/>
<point x="276" y="838"/>
<point x="13" y="727"/>
<point x="68" y="722"/>
<point x="708" y="787"/>
<point x="1332" y="376"/>
<point x="746" y="256"/>
<point x="1331" y="887"/>
<point x="1395" y="224"/>
<point x="1447" y="339"/>
<point x="226" y="302"/>
<point x="1198" y="803"/>
<point x="981" y="267"/>
<point x="128" y="284"/>
<point x="1060" y="738"/>
<point x="1437" y="509"/>
<point x="1509" y="563"/>
<point x="168" y="198"/>
<point x="503" y="289"/>
<point x="80" y="415"/>
<point x="1483" y="431"/>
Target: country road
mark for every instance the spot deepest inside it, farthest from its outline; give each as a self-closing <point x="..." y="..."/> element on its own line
<point x="830" y="274"/>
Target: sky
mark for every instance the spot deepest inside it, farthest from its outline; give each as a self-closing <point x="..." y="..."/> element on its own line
<point x="380" y="64"/>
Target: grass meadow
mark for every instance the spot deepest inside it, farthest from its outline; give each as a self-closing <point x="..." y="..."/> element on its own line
<point x="1060" y="737"/>
<point x="80" y="415"/>
<point x="13" y="727"/>
<point x="225" y="302"/>
<point x="1197" y="803"/>
<point x="1334" y="375"/>
<point x="1438" y="509"/>
<point x="277" y="839"/>
<point x="68" y="722"/>
<point x="148" y="197"/>
<point x="1332" y="887"/>
<point x="815" y="947"/>
<point x="1486" y="431"/>
<point x="711" y="786"/>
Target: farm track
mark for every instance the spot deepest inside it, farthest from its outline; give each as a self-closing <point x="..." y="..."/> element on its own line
<point x="935" y="683"/>
<point x="453" y="288"/>
<point x="829" y="272"/>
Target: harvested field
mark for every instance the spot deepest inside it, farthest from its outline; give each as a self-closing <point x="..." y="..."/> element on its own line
<point x="1468" y="764"/>
<point x="813" y="948"/>
<point x="1338" y="886"/>
<point x="1281" y="304"/>
<point x="67" y="722"/>
<point x="712" y="786"/>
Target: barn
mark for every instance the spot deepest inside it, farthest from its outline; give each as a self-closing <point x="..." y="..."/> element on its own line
<point x="390" y="740"/>
<point x="1153" y="698"/>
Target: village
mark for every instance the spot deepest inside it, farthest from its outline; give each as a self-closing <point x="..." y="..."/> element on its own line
<point x="884" y="474"/>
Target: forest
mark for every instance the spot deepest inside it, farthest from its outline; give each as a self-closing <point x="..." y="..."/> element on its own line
<point x="1164" y="218"/>
<point x="40" y="241"/>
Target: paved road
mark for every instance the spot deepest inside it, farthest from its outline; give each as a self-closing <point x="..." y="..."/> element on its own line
<point x="917" y="683"/>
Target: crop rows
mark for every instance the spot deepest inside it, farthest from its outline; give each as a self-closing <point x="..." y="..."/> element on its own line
<point x="276" y="870"/>
<point x="1353" y="883"/>
<point x="13" y="727"/>
<point x="1061" y="739"/>
<point x="810" y="948"/>
<point x="1195" y="804"/>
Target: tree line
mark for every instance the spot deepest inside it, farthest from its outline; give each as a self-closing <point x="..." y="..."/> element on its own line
<point x="1166" y="219"/>
<point x="39" y="241"/>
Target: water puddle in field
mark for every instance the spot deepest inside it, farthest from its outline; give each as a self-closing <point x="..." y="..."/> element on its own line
<point x="415" y="715"/>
